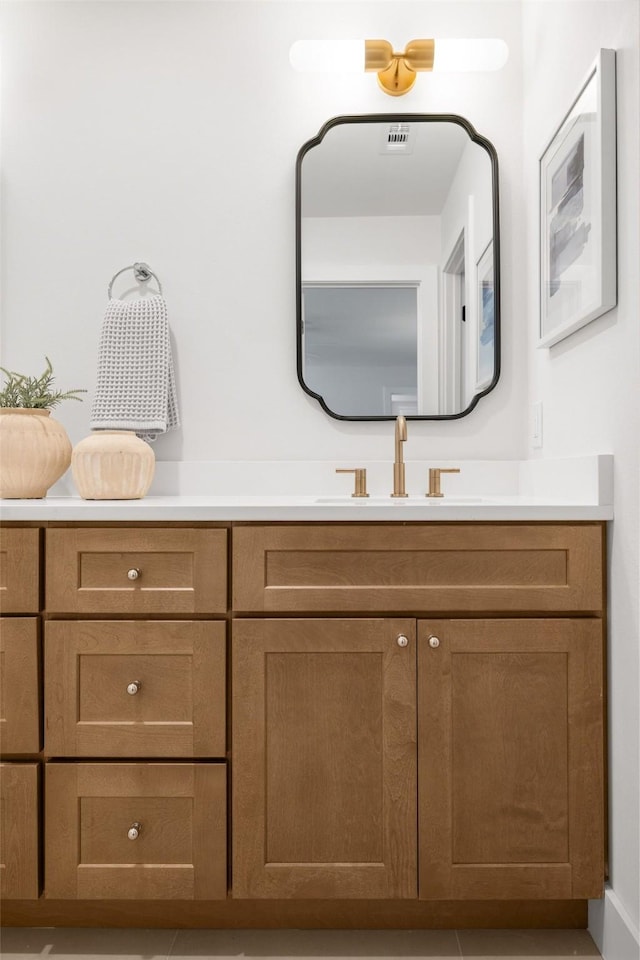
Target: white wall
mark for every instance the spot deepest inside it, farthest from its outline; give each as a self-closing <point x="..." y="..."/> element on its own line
<point x="335" y="245"/>
<point x="168" y="132"/>
<point x="589" y="386"/>
<point x="472" y="180"/>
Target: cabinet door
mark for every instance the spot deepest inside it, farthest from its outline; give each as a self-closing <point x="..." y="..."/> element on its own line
<point x="19" y="831"/>
<point x="510" y="759"/>
<point x="324" y="763"/>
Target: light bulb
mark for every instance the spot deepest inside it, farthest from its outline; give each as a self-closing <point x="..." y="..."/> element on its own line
<point x="327" y="56"/>
<point x="459" y="56"/>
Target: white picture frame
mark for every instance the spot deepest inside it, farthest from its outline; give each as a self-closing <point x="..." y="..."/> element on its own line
<point x="485" y="319"/>
<point x="577" y="171"/>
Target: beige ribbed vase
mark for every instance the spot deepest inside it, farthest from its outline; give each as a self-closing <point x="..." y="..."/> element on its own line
<point x="112" y="465"/>
<point x="34" y="452"/>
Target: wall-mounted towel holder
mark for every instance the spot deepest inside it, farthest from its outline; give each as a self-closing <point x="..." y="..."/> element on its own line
<point x="142" y="272"/>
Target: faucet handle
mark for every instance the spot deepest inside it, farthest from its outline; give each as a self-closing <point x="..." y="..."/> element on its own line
<point x="361" y="481"/>
<point x="434" y="480"/>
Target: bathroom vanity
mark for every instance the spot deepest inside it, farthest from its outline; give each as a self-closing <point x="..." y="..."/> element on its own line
<point x="289" y="719"/>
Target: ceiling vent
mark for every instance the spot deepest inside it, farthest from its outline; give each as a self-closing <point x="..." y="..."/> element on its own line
<point x="397" y="139"/>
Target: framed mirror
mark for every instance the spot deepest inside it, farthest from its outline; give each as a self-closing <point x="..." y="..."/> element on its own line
<point x="397" y="267"/>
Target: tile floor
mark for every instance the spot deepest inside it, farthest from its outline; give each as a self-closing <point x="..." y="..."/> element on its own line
<point x="102" y="944"/>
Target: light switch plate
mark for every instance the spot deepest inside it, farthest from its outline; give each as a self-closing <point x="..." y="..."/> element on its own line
<point x="536" y="432"/>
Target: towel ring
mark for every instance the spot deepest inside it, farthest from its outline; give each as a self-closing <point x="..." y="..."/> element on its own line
<point x="142" y="272"/>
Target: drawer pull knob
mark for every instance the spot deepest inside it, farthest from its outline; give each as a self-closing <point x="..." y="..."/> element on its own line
<point x="133" y="574"/>
<point x="134" y="831"/>
<point x="434" y="643"/>
<point x="133" y="687"/>
<point x="402" y="641"/>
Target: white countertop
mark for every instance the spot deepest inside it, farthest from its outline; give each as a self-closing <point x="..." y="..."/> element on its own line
<point x="578" y="488"/>
<point x="300" y="508"/>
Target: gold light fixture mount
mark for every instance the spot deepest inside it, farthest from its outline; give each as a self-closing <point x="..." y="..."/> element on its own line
<point x="397" y="71"/>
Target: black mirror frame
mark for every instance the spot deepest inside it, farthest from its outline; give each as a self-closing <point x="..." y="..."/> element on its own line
<point x="400" y="118"/>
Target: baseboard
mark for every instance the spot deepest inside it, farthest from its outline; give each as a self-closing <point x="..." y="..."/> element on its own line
<point x="612" y="929"/>
<point x="299" y="914"/>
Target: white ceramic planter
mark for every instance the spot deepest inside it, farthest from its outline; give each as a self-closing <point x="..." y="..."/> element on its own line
<point x="34" y="452"/>
<point x="112" y="465"/>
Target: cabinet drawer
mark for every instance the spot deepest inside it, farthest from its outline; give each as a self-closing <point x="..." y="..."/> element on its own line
<point x="178" y="811"/>
<point x="19" y="686"/>
<point x="136" y="570"/>
<point x="135" y="689"/>
<point x="418" y="567"/>
<point x="19" y="570"/>
<point x="19" y="789"/>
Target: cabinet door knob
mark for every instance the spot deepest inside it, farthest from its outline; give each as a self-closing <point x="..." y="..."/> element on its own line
<point x="133" y="574"/>
<point x="402" y="641"/>
<point x="134" y="830"/>
<point x="434" y="642"/>
<point x="134" y="687"/>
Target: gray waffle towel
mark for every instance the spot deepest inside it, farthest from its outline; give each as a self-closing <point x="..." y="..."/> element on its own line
<point x="136" y="387"/>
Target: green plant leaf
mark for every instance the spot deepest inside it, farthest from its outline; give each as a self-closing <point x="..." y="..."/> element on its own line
<point x="36" y="393"/>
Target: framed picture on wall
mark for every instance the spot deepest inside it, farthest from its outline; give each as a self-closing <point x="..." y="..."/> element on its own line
<point x="485" y="320"/>
<point x="578" y="209"/>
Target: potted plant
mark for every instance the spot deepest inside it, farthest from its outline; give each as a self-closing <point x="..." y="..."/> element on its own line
<point x="34" y="448"/>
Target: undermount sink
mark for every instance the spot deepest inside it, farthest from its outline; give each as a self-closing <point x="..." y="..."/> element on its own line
<point x="401" y="501"/>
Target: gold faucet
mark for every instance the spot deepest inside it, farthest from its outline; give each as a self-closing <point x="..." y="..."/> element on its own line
<point x="398" y="466"/>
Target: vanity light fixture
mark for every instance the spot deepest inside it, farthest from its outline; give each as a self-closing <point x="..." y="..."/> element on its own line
<point x="397" y="71"/>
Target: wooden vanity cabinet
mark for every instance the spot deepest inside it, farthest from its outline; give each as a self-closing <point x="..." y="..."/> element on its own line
<point x="403" y="721"/>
